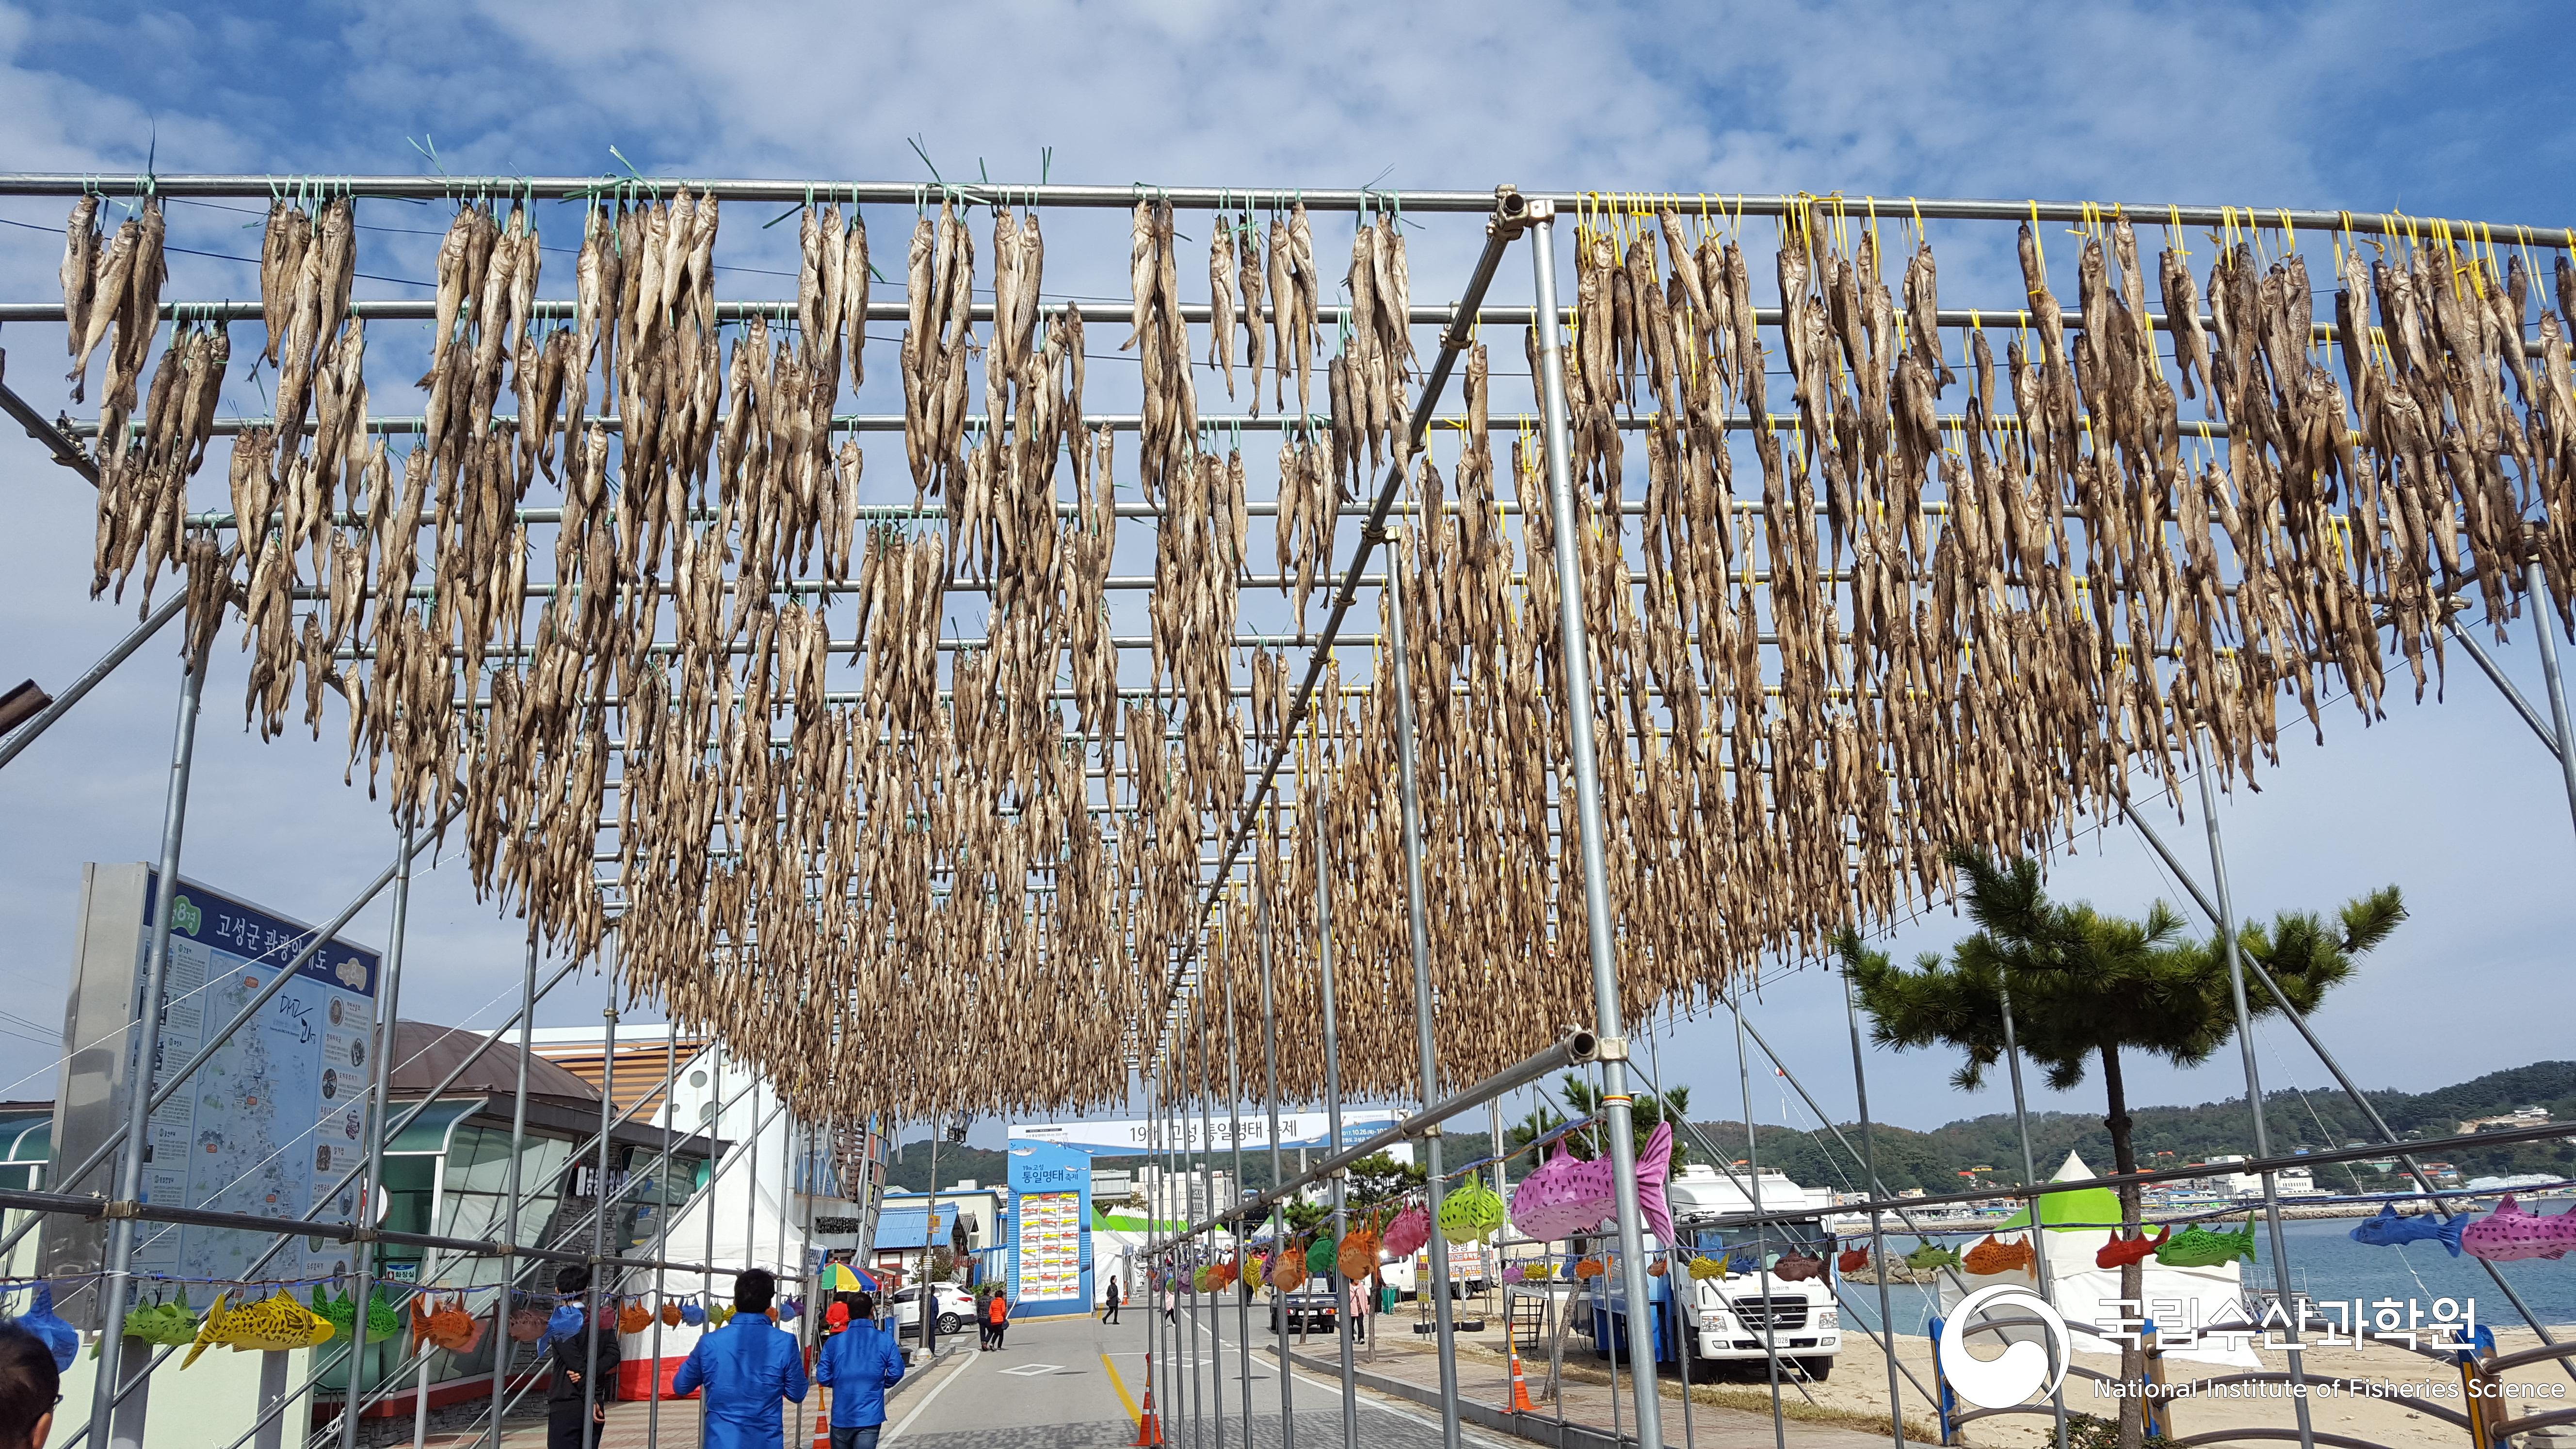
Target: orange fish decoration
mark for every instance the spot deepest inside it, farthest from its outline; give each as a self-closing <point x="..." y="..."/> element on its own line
<point x="2121" y="1252"/>
<point x="1991" y="1256"/>
<point x="1587" y="1268"/>
<point x="634" y="1318"/>
<point x="1660" y="1268"/>
<point x="455" y="1330"/>
<point x="1797" y="1267"/>
<point x="420" y="1318"/>
<point x="1852" y="1260"/>
<point x="671" y="1313"/>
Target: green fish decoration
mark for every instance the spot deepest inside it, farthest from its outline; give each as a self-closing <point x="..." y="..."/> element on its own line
<point x="166" y="1325"/>
<point x="1927" y="1256"/>
<point x="340" y="1312"/>
<point x="2201" y="1248"/>
<point x="382" y="1321"/>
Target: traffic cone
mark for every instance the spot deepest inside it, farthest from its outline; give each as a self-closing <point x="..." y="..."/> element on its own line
<point x="1149" y="1430"/>
<point x="1520" y="1391"/>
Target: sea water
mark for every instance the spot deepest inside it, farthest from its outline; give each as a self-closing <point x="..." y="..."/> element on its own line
<point x="2326" y="1265"/>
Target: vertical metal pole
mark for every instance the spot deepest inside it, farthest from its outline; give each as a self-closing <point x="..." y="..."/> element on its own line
<point x="1333" y="1111"/>
<point x="1425" y="1048"/>
<point x="2539" y="590"/>
<point x="1278" y="1218"/>
<point x="1877" y="1223"/>
<point x="1234" y="1124"/>
<point x="599" y="1189"/>
<point x="507" y="1230"/>
<point x="2030" y="1178"/>
<point x="715" y="1124"/>
<point x="662" y="1218"/>
<point x="1761" y="1259"/>
<point x="143" y="1055"/>
<point x="1587" y="794"/>
<point x="371" y="1178"/>
<point x="1207" y="1173"/>
<point x="420" y="1384"/>
<point x="927" y="1300"/>
<point x="2290" y="1308"/>
<point x="1680" y="1288"/>
<point x="1186" y="1288"/>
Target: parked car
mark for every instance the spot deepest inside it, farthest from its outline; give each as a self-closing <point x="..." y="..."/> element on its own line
<point x="1310" y="1308"/>
<point x="956" y="1309"/>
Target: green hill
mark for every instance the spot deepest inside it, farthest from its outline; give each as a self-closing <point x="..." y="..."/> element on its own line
<point x="2168" y="1137"/>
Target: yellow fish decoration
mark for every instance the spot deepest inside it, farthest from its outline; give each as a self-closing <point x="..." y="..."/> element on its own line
<point x="279" y="1322"/>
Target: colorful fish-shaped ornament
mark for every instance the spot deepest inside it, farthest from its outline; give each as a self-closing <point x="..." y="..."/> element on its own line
<point x="2120" y="1252"/>
<point x="1406" y="1235"/>
<point x="1851" y="1260"/>
<point x="1798" y="1267"/>
<point x="1993" y="1256"/>
<point x="1928" y="1256"/>
<point x="1471" y="1213"/>
<point x="1567" y="1196"/>
<point x="2201" y="1248"/>
<point x="1705" y="1267"/>
<point x="41" y="1320"/>
<point x="2391" y="1228"/>
<point x="2509" y="1234"/>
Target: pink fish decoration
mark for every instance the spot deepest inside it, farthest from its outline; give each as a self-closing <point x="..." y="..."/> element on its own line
<point x="1410" y="1230"/>
<point x="1567" y="1196"/>
<point x="2509" y="1233"/>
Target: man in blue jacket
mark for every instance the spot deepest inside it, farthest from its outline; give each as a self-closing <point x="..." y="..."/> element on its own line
<point x="748" y="1367"/>
<point x="858" y="1365"/>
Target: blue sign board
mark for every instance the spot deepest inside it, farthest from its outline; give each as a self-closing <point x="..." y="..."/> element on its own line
<point x="1050" y="1229"/>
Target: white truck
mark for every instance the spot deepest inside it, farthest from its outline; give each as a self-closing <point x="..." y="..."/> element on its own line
<point x="1746" y="1313"/>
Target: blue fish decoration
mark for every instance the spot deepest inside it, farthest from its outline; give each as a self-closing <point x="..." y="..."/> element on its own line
<point x="2390" y="1228"/>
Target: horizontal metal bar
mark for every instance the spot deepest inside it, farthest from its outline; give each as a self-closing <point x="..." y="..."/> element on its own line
<point x="1574" y="1050"/>
<point x="1212" y="198"/>
<point x="1218" y="423"/>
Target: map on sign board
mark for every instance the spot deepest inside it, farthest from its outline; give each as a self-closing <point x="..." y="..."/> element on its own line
<point x="276" y="1115"/>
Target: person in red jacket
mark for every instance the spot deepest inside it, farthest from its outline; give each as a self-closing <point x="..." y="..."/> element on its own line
<point x="997" y="1317"/>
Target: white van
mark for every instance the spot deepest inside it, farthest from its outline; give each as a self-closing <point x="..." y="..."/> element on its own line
<point x="1747" y="1313"/>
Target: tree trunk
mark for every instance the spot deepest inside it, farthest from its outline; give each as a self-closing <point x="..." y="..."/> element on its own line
<point x="2133" y="1275"/>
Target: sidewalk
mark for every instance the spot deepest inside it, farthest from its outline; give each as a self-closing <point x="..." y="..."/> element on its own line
<point x="678" y="1422"/>
<point x="1406" y="1366"/>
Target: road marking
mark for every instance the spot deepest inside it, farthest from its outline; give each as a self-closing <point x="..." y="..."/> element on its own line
<point x="918" y="1409"/>
<point x="1115" y="1382"/>
<point x="1032" y="1370"/>
<point x="1369" y="1397"/>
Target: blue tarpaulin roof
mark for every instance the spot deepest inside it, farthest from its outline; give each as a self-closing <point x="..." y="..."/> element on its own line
<point x="912" y="1228"/>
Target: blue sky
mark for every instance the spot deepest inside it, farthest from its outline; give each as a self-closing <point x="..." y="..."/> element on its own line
<point x="2367" y="107"/>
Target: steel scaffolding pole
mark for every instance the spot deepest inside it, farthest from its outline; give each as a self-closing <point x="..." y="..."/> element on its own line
<point x="662" y="1224"/>
<point x="73" y="692"/>
<point x="1348" y="1326"/>
<point x="502" y="1344"/>
<point x="1577" y="674"/>
<point x="1418" y="933"/>
<point x="2291" y="1309"/>
<point x="1207" y="1174"/>
<point x="2029" y="1174"/>
<point x="143" y="1054"/>
<point x="2537" y="586"/>
<point x="715" y="1123"/>
<point x="1877" y="1224"/>
<point x="1270" y="1105"/>
<point x="362" y="1254"/>
<point x="1234" y="1129"/>
<point x="599" y="1221"/>
<point x="1761" y="1260"/>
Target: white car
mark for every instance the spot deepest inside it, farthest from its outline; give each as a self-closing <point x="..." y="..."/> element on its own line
<point x="956" y="1310"/>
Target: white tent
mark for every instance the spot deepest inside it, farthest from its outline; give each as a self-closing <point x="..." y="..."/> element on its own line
<point x="2179" y="1299"/>
<point x="745" y="1210"/>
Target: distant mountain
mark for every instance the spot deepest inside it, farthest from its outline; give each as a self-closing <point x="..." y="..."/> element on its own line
<point x="2169" y="1137"/>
